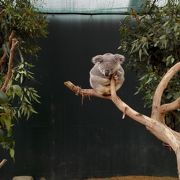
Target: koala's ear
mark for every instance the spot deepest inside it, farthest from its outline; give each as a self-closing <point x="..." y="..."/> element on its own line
<point x="120" y="58"/>
<point x="97" y="58"/>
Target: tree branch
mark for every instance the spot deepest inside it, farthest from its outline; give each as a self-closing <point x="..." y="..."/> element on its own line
<point x="83" y="92"/>
<point x="170" y="106"/>
<point x="160" y="130"/>
<point x="12" y="35"/>
<point x="153" y="124"/>
<point x="10" y="64"/>
<point x="2" y="162"/>
<point x="2" y="59"/>
<point x="1" y="12"/>
<point x="156" y="106"/>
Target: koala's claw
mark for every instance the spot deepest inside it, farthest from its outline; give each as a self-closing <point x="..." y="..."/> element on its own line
<point x="116" y="77"/>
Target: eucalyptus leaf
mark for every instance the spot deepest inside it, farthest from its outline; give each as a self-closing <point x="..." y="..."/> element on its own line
<point x="153" y="47"/>
<point x="3" y="98"/>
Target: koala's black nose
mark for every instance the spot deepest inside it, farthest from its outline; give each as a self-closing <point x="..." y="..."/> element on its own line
<point x="106" y="72"/>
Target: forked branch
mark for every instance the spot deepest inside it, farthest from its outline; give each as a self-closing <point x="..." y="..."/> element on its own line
<point x="160" y="130"/>
<point x="153" y="123"/>
<point x="159" y="110"/>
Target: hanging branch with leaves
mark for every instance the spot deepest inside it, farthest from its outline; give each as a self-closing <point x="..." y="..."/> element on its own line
<point x="150" y="39"/>
<point x="20" y="27"/>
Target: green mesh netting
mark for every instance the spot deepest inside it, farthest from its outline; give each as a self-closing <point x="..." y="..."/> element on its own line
<point x="88" y="6"/>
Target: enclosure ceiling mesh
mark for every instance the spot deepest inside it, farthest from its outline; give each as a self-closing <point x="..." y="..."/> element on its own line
<point x="88" y="6"/>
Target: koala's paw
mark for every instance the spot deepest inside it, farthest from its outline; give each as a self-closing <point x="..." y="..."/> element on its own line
<point x="116" y="77"/>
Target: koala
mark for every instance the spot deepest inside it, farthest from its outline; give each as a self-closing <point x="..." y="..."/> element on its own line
<point x="105" y="67"/>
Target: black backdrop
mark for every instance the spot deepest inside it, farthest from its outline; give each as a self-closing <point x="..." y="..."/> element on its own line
<point x="71" y="139"/>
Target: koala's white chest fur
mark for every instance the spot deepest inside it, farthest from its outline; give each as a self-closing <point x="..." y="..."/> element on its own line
<point x="106" y="66"/>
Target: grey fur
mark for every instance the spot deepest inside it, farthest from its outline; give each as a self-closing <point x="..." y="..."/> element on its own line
<point x="106" y="66"/>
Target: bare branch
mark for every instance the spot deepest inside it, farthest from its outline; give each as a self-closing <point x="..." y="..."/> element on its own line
<point x="160" y="130"/>
<point x="2" y="162"/>
<point x="10" y="64"/>
<point x="83" y="92"/>
<point x="128" y="110"/>
<point x="155" y="114"/>
<point x="156" y="127"/>
<point x="12" y="35"/>
<point x="2" y="12"/>
<point x="117" y="101"/>
<point x="2" y="59"/>
<point x="170" y="106"/>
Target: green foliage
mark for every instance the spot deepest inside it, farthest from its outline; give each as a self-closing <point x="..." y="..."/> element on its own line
<point x="3" y="98"/>
<point x="29" y="25"/>
<point x="151" y="40"/>
<point x="21" y="16"/>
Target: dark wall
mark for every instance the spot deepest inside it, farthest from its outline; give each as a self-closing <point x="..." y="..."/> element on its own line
<point x="73" y="138"/>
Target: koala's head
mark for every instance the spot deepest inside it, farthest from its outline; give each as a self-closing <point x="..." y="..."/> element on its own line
<point x="108" y="63"/>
